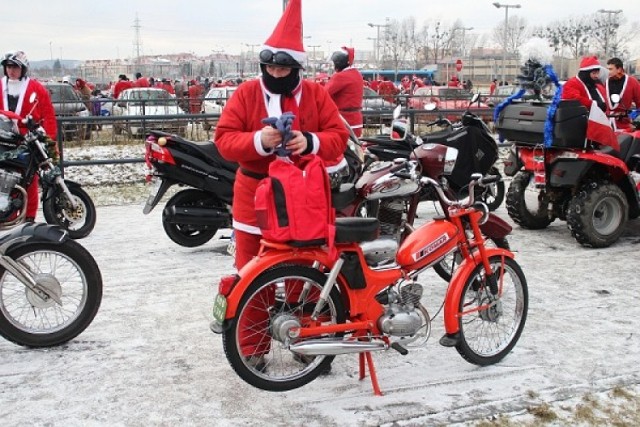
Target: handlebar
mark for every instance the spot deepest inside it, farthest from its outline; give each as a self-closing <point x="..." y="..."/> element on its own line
<point x="409" y="170"/>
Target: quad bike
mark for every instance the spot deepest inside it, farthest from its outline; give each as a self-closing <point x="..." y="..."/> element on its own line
<point x="560" y="173"/>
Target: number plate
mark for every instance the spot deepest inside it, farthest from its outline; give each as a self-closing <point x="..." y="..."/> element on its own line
<point x="219" y="308"/>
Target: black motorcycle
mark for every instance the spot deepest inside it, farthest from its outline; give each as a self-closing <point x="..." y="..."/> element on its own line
<point x="193" y="215"/>
<point x="478" y="152"/>
<point x="50" y="286"/>
<point x="22" y="157"/>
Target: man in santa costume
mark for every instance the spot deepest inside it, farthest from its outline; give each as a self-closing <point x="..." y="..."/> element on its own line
<point x="346" y="88"/>
<point x="586" y="86"/>
<point x="15" y="90"/>
<point x="627" y="87"/>
<point x="242" y="137"/>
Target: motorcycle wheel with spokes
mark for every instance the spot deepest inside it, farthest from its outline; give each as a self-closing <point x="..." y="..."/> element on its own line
<point x="284" y="295"/>
<point x="491" y="325"/>
<point x="78" y="222"/>
<point x="66" y="270"/>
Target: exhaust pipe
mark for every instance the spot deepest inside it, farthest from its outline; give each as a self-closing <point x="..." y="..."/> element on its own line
<point x="196" y="216"/>
<point x="333" y="346"/>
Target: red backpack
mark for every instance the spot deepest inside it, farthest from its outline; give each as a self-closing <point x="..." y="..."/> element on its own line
<point x="293" y="204"/>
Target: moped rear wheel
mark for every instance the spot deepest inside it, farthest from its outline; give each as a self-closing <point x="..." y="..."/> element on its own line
<point x="489" y="326"/>
<point x="190" y="235"/>
<point x="254" y="343"/>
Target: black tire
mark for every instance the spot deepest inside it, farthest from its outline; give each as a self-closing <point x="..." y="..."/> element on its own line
<point x="487" y="335"/>
<point x="493" y="195"/>
<point x="445" y="267"/>
<point x="66" y="269"/>
<point x="523" y="210"/>
<point x="189" y="235"/>
<point x="597" y="214"/>
<point x="279" y="369"/>
<point x="78" y="222"/>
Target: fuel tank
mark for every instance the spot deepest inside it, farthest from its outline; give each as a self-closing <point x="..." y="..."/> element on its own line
<point x="377" y="183"/>
<point x="427" y="244"/>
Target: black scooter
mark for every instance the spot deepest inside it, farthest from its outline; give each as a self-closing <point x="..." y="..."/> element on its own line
<point x="193" y="215"/>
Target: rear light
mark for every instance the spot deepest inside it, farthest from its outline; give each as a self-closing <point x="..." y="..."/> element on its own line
<point x="156" y="152"/>
<point x="227" y="283"/>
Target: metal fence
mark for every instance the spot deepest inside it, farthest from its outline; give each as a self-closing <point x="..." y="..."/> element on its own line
<point x="101" y="129"/>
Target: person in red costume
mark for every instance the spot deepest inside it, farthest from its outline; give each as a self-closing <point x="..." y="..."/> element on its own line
<point x="346" y="88"/>
<point x="122" y="84"/>
<point x="627" y="87"/>
<point x="242" y="137"/>
<point x="15" y="90"/>
<point x="141" y="81"/>
<point x="586" y="86"/>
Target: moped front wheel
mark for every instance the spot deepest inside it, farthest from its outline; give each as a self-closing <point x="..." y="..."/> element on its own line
<point x="255" y="342"/>
<point x="490" y="326"/>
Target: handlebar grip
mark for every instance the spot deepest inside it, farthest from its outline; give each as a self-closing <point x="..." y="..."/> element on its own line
<point x="489" y="179"/>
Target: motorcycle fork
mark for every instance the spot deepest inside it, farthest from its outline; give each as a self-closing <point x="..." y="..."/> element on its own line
<point x="25" y="276"/>
<point x="60" y="182"/>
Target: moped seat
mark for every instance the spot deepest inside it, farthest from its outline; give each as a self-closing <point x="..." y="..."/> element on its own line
<point x="352" y="229"/>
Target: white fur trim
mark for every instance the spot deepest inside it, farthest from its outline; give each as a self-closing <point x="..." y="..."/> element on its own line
<point x="257" y="143"/>
<point x="337" y="167"/>
<point x="251" y="229"/>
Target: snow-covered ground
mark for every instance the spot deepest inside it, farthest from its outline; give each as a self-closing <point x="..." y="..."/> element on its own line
<point x="149" y="357"/>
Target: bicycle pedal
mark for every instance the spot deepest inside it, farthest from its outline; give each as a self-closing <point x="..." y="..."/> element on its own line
<point x="400" y="349"/>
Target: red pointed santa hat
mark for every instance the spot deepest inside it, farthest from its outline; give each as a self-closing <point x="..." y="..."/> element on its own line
<point x="287" y="36"/>
<point x="589" y="63"/>
<point x="350" y="52"/>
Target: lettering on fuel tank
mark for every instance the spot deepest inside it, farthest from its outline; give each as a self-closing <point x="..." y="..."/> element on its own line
<point x="431" y="247"/>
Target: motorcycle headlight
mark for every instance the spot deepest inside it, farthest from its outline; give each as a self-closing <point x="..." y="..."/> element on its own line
<point x="450" y="158"/>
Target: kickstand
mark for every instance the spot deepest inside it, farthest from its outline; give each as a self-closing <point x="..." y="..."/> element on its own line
<point x="372" y="372"/>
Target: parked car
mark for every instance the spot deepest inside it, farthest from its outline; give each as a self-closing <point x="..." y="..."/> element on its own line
<point x="448" y="98"/>
<point x="214" y="102"/>
<point x="148" y="102"/>
<point x="373" y="101"/>
<point x="67" y="103"/>
<point x="500" y="94"/>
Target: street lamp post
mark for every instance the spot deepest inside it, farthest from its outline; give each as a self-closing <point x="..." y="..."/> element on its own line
<point x="506" y="24"/>
<point x="606" y="33"/>
<point x="314" y="60"/>
<point x="251" y="46"/>
<point x="377" y="50"/>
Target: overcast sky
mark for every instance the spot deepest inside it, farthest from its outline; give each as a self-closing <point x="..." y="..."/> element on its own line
<point x="75" y="29"/>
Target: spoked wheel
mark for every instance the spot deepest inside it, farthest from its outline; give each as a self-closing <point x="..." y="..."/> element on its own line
<point x="449" y="263"/>
<point x="190" y="235"/>
<point x="255" y="343"/>
<point x="79" y="221"/>
<point x="67" y="271"/>
<point x="491" y="325"/>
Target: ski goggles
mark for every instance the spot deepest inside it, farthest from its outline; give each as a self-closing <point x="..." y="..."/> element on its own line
<point x="279" y="59"/>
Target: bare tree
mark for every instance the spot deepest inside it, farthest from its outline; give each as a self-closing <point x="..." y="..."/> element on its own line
<point x="573" y="33"/>
<point x="517" y="34"/>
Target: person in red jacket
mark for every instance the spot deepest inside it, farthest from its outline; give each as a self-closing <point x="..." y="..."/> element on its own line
<point x="195" y="97"/>
<point x="346" y="88"/>
<point x="15" y="90"/>
<point x="141" y="81"/>
<point x="122" y="84"/>
<point x="242" y="137"/>
<point x="625" y="86"/>
<point x="586" y="86"/>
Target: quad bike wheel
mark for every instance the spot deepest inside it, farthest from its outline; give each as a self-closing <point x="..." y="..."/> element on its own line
<point x="597" y="214"/>
<point x="529" y="209"/>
